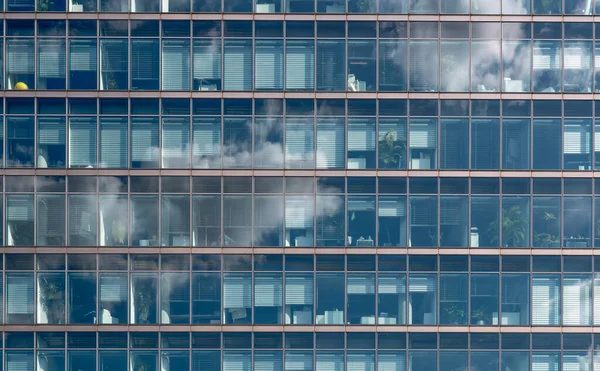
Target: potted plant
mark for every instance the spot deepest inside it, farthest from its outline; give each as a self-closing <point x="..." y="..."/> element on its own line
<point x="52" y="296"/>
<point x="479" y="316"/>
<point x="546" y="238"/>
<point x="391" y="150"/>
<point x="144" y="297"/>
<point x="45" y="5"/>
<point x="455" y="314"/>
<point x="514" y="227"/>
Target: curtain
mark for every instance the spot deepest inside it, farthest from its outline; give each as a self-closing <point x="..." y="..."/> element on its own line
<point x="51" y="58"/>
<point x="268" y="65"/>
<point x="113" y="142"/>
<point x="300" y="65"/>
<point x="82" y="142"/>
<point x="175" y="64"/>
<point x="331" y="144"/>
<point x="238" y="65"/>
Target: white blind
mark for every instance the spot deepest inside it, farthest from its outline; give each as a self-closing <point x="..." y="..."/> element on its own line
<point x="577" y="56"/>
<point x="238" y="65"/>
<point x="361" y="284"/>
<point x="268" y="361"/>
<point x="113" y="142"/>
<point x="237" y="291"/>
<point x="545" y="298"/>
<point x="19" y="208"/>
<point x="82" y="141"/>
<point x="544" y="362"/>
<point x="299" y="143"/>
<point x="113" y="288"/>
<point x="596" y="305"/>
<point x="390" y="206"/>
<point x="330" y="361"/>
<point x="299" y="289"/>
<point x="391" y="284"/>
<point x="207" y="59"/>
<point x="51" y="58"/>
<point x="268" y="72"/>
<point x="207" y="136"/>
<point x="22" y="361"/>
<point x="299" y="211"/>
<point x="576" y="302"/>
<point x="330" y="144"/>
<point x="298" y="361"/>
<point x="144" y="138"/>
<point x="19" y="294"/>
<point x="547" y="55"/>
<point x="360" y="361"/>
<point x="361" y="135"/>
<point x="423" y="134"/>
<point x="82" y="55"/>
<point x="175" y="141"/>
<point x="113" y="55"/>
<point x="268" y="290"/>
<point x="395" y="361"/>
<point x="361" y="203"/>
<point x="576" y="362"/>
<point x="52" y="130"/>
<point x="176" y="64"/>
<point x="577" y="138"/>
<point x="20" y="56"/>
<point x="237" y="361"/>
<point x="300" y="65"/>
<point x="422" y="284"/>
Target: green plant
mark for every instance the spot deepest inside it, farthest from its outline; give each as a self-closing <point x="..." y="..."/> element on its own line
<point x="455" y="313"/>
<point x="45" y="5"/>
<point x="52" y="300"/>
<point x="514" y="227"/>
<point x="479" y="315"/>
<point x="546" y="237"/>
<point x="391" y="148"/>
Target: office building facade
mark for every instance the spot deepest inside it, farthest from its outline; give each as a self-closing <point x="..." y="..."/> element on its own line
<point x="299" y="185"/>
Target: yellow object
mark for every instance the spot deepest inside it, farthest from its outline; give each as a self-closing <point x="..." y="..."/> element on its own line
<point x="21" y="86"/>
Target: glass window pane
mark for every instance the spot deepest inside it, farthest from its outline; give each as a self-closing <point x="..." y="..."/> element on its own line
<point x="82" y="220"/>
<point x="330" y="299"/>
<point x="237" y="142"/>
<point x="515" y="144"/>
<point x="19" y="298"/>
<point x="145" y="63"/>
<point x="361" y="143"/>
<point x="206" y="298"/>
<point x="485" y="144"/>
<point x="454" y="144"/>
<point x="515" y="299"/>
<point x="330" y="143"/>
<point x="144" y="295"/>
<point x="146" y="6"/>
<point x="207" y="64"/>
<point x="175" y="64"/>
<point x="547" y="64"/>
<point x="545" y="300"/>
<point x="19" y="220"/>
<point x="20" y="63"/>
<point x="361" y="221"/>
<point x="113" y="62"/>
<point x="206" y="142"/>
<point x="207" y="220"/>
<point x="576" y="300"/>
<point x="82" y="64"/>
<point x="362" y="65"/>
<point x="175" y="298"/>
<point x="113" y="142"/>
<point x="268" y="142"/>
<point x="547" y="7"/>
<point x="268" y="73"/>
<point x="392" y="65"/>
<point x="485" y="66"/>
<point x="268" y="221"/>
<point x="331" y="65"/>
<point x="81" y="305"/>
<point x="423" y="65"/>
<point x="300" y="64"/>
<point x="113" y="221"/>
<point x="113" y="298"/>
<point x="423" y="221"/>
<point x="299" y="220"/>
<point x="18" y="360"/>
<point x="51" y="220"/>
<point x="423" y="143"/>
<point x="237" y="298"/>
<point x="299" y="298"/>
<point x="577" y="222"/>
<point x="484" y="299"/>
<point x="547" y="143"/>
<point x="515" y="222"/>
<point x="237" y="220"/>
<point x="330" y="221"/>
<point x="299" y="143"/>
<point x="51" y="360"/>
<point x="268" y="299"/>
<point x="546" y="222"/>
<point x="299" y="361"/>
<point x="455" y="66"/>
<point x="422" y="299"/>
<point x="175" y="220"/>
<point x="454" y="221"/>
<point x="82" y="142"/>
<point x="176" y="142"/>
<point x="144" y="142"/>
<point x="144" y="220"/>
<point x="51" y="64"/>
<point x="20" y="133"/>
<point x="577" y="144"/>
<point x="393" y="7"/>
<point x="360" y="289"/>
<point x="51" y="142"/>
<point x="238" y="65"/>
<point x="392" y="143"/>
